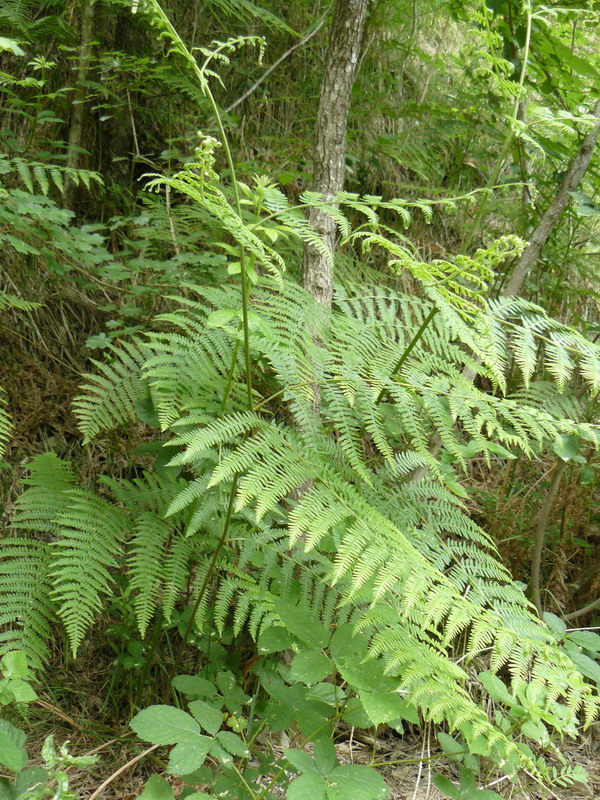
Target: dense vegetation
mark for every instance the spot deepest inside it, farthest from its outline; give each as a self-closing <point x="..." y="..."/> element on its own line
<point x="299" y="305"/>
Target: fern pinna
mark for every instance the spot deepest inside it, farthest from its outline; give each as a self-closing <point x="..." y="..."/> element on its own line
<point x="365" y="544"/>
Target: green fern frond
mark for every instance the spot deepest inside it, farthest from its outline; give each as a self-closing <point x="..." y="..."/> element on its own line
<point x="112" y="394"/>
<point x="90" y="531"/>
<point x="146" y="564"/>
<point x="26" y="607"/>
<point x="6" y="426"/>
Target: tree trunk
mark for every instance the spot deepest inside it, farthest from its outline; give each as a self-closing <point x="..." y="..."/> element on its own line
<point x="330" y="146"/>
<point x="78" y="113"/>
<point x="553" y="213"/>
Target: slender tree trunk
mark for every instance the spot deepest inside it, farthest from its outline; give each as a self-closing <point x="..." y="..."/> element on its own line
<point x="330" y="146"/>
<point x="78" y="113"/>
<point x="553" y="213"/>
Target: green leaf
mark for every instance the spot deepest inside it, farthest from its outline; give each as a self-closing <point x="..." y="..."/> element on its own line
<point x="13" y="754"/>
<point x="186" y="757"/>
<point x="307" y="786"/>
<point x="9" y="45"/>
<point x="14" y="665"/>
<point x="303" y="623"/>
<point x="199" y="796"/>
<point x="28" y="779"/>
<point x="233" y="743"/>
<point x="7" y="791"/>
<point x="452" y="749"/>
<point x="586" y="665"/>
<point x="555" y="623"/>
<point x="447" y="787"/>
<point x="22" y="691"/>
<point x="568" y="446"/>
<point x="194" y="685"/>
<point x="222" y="317"/>
<point x="536" y="730"/>
<point x="586" y="639"/>
<point x="384" y="707"/>
<point x="164" y="725"/>
<point x="300" y="760"/>
<point x="310" y="666"/>
<point x="207" y="715"/>
<point x="324" y="755"/>
<point x="275" y="640"/>
<point x="496" y="688"/>
<point x="146" y="412"/>
<point x="357" y="782"/>
<point x="157" y="788"/>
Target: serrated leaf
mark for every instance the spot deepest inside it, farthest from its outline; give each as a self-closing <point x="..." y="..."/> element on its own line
<point x="164" y="725"/>
<point x="208" y="716"/>
<point x="358" y="782"/>
<point x="194" y="685"/>
<point x="302" y="622"/>
<point x="300" y="760"/>
<point x="157" y="788"/>
<point x="13" y="754"/>
<point x="310" y="666"/>
<point x="232" y="743"/>
<point x="308" y="785"/>
<point x="324" y="755"/>
<point x="186" y="757"/>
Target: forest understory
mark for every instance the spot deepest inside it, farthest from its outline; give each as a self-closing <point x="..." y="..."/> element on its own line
<point x="299" y="420"/>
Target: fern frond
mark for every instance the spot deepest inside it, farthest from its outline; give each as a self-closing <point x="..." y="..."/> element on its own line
<point x="146" y="564"/>
<point x="6" y="426"/>
<point x="90" y="531"/>
<point x="111" y="395"/>
<point x="26" y="608"/>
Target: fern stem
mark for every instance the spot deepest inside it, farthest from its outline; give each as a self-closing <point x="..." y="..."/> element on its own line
<point x="245" y="283"/>
<point x="149" y="657"/>
<point x="497" y="168"/>
<point x="408" y="351"/>
<point x="204" y="87"/>
<point x="209" y="572"/>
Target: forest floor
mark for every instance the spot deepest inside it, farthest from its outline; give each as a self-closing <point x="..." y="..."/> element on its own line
<point x="403" y="762"/>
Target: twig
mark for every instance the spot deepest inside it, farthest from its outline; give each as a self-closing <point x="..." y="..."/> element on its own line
<point x="274" y="66"/>
<point x="590" y="607"/>
<point x="122" y="769"/>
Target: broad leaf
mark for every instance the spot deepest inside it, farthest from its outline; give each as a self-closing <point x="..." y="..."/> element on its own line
<point x="164" y="725"/>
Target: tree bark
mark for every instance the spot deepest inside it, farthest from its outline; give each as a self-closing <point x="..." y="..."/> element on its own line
<point x="78" y="113"/>
<point x="546" y="225"/>
<point x="330" y="146"/>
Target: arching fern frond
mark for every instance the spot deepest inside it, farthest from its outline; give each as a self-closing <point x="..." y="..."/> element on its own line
<point x="90" y="531"/>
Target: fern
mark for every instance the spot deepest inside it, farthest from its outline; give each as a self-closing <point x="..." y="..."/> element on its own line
<point x="399" y="559"/>
<point x="6" y="427"/>
<point x="89" y="533"/>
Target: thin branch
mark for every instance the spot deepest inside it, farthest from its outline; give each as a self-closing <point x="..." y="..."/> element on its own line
<point x="122" y="769"/>
<point x="275" y="64"/>
<point x="590" y="607"/>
